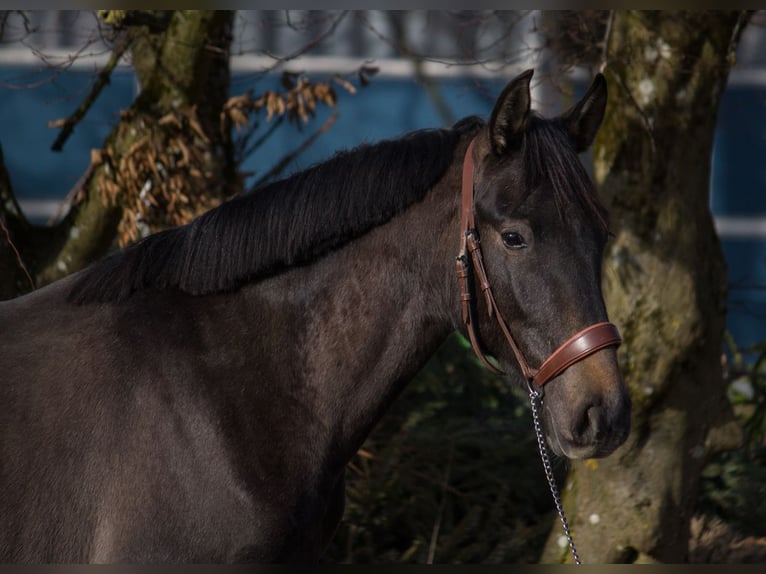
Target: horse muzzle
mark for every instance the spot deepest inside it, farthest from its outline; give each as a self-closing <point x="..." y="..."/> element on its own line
<point x="587" y="408"/>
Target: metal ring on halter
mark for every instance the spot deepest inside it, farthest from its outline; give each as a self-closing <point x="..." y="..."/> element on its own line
<point x="533" y="390"/>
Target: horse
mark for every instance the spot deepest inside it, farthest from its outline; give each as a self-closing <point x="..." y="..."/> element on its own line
<point x="197" y="396"/>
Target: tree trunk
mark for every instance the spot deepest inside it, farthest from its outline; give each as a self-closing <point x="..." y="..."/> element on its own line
<point x="665" y="285"/>
<point x="167" y="160"/>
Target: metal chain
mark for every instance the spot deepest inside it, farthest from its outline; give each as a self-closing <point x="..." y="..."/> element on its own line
<point x="534" y="398"/>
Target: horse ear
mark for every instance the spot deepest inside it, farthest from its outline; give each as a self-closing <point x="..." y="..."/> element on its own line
<point x="509" y="117"/>
<point x="584" y="118"/>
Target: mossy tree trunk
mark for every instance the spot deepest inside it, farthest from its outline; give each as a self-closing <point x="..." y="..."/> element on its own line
<point x="664" y="281"/>
<point x="166" y="160"/>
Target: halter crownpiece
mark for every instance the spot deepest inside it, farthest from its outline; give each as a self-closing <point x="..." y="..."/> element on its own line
<point x="470" y="261"/>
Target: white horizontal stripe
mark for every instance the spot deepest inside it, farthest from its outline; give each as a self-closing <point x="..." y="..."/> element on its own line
<point x="57" y="58"/>
<point x="389" y="67"/>
<point x="736" y="227"/>
<point x="252" y="63"/>
<point x="747" y="77"/>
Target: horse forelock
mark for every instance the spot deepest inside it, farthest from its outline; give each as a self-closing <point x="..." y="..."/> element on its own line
<point x="549" y="155"/>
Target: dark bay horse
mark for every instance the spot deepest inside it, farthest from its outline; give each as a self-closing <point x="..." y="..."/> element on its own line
<point x="197" y="396"/>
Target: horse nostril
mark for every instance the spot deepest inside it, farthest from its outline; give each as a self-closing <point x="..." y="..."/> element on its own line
<point x="600" y="426"/>
<point x="591" y="427"/>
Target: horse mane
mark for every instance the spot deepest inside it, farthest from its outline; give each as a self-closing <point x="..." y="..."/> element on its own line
<point x="285" y="223"/>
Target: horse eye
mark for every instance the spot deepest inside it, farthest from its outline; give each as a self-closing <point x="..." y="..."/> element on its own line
<point x="513" y="240"/>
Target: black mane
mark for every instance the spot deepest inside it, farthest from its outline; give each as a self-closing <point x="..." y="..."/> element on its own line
<point x="284" y="223"/>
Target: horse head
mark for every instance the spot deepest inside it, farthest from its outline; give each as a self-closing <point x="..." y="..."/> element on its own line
<point x="542" y="237"/>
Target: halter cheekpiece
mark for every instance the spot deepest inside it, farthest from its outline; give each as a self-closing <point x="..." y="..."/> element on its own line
<point x="471" y="262"/>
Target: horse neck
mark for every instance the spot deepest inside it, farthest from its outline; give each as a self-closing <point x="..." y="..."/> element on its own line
<point x="369" y="316"/>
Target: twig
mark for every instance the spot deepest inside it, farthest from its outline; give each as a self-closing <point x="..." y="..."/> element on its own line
<point x="440" y="513"/>
<point x="285" y="161"/>
<point x="16" y="251"/>
<point x="3" y="22"/>
<point x="72" y="194"/>
<point x="103" y="78"/>
<point x="53" y="68"/>
<point x="306" y="47"/>
<point x="249" y="148"/>
<point x="607" y="39"/>
<point x="471" y="59"/>
<point x="742" y="20"/>
<point x="442" y="108"/>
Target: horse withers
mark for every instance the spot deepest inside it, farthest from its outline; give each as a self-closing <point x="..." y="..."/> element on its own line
<point x="197" y="396"/>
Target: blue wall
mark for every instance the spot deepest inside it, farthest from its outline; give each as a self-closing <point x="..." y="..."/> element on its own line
<point x="387" y="108"/>
<point x="739" y="190"/>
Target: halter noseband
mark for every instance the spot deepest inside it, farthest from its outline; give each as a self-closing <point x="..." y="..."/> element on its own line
<point x="581" y="345"/>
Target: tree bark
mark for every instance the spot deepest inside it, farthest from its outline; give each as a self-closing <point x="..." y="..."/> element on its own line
<point x="181" y="61"/>
<point x="664" y="282"/>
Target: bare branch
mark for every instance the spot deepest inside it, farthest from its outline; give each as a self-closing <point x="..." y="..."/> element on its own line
<point x="285" y="161"/>
<point x="607" y="39"/>
<point x="280" y="60"/>
<point x="471" y="56"/>
<point x="123" y="44"/>
<point x="440" y="512"/>
<point x="3" y="21"/>
<point x="745" y="17"/>
<point x="426" y="81"/>
<point x="16" y="252"/>
<point x="247" y="148"/>
<point x="53" y="68"/>
<point x="72" y="194"/>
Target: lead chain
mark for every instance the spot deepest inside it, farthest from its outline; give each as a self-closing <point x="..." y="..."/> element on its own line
<point x="534" y="399"/>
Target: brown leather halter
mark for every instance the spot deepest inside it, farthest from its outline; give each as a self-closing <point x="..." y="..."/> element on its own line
<point x="579" y="346"/>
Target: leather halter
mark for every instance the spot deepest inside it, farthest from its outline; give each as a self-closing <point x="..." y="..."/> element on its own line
<point x="581" y="345"/>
